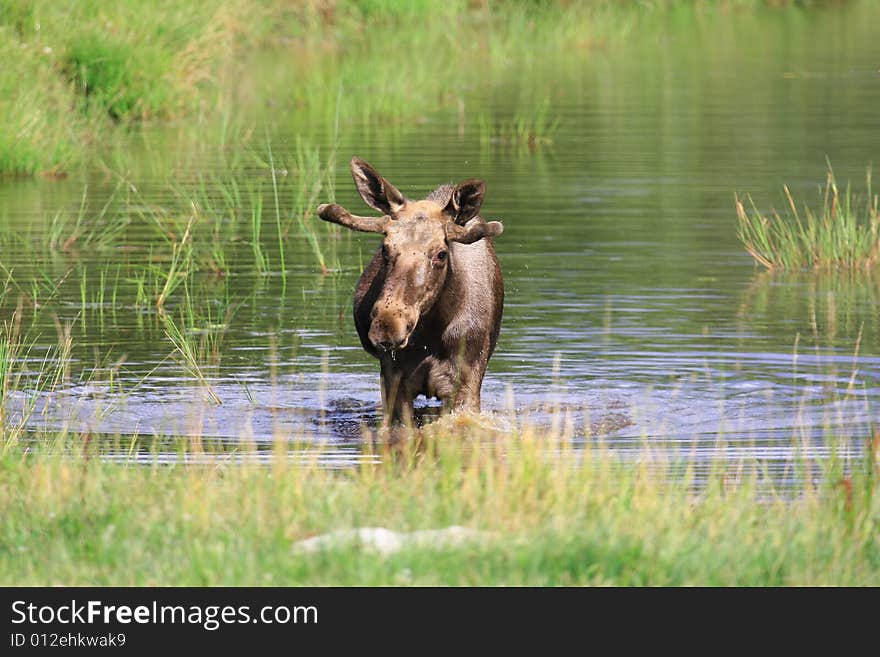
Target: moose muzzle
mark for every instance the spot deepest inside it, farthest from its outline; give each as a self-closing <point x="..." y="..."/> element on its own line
<point x="392" y="325"/>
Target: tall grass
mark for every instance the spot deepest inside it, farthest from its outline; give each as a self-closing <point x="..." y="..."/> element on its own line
<point x="844" y="233"/>
<point x="27" y="372"/>
<point x="191" y="354"/>
<point x="550" y="513"/>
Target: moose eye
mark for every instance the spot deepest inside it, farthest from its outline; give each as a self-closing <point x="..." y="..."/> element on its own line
<point x="441" y="256"/>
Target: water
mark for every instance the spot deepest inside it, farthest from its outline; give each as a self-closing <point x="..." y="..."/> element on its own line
<point x="631" y="307"/>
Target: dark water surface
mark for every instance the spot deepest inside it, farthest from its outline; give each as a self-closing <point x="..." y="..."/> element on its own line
<point x="630" y="303"/>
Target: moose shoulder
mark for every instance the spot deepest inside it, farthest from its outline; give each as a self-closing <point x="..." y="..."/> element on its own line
<point x="429" y="303"/>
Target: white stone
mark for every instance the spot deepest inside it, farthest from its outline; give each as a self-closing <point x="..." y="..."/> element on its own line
<point x="385" y="541"/>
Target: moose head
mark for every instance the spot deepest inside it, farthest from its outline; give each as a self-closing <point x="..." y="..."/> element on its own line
<point x="419" y="246"/>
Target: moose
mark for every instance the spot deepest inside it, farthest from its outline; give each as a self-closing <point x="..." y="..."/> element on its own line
<point x="429" y="303"/>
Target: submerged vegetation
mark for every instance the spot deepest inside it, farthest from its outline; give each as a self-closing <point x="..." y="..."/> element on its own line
<point x="844" y="233"/>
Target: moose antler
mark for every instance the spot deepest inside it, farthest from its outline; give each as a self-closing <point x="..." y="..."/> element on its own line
<point x="336" y="214"/>
<point x="474" y="230"/>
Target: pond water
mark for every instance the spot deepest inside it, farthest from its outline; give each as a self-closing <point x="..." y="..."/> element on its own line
<point x="630" y="306"/>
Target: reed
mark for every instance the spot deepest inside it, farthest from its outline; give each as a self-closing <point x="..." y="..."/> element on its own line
<point x="843" y="233"/>
<point x="190" y="353"/>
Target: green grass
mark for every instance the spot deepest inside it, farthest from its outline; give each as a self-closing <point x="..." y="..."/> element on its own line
<point x="843" y="233"/>
<point x="75" y="69"/>
<point x="70" y="518"/>
<point x="38" y="133"/>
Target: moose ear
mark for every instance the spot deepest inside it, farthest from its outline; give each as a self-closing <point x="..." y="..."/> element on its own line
<point x="377" y="192"/>
<point x="465" y="201"/>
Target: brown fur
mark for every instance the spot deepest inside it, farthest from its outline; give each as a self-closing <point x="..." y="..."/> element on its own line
<point x="429" y="303"/>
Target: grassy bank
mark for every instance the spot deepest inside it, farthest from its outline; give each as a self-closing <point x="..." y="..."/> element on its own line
<point x="78" y="72"/>
<point x="73" y="520"/>
<point x="75" y="70"/>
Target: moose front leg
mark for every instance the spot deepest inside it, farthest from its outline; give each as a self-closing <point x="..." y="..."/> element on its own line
<point x="466" y="395"/>
<point x="396" y="399"/>
<point x="457" y="385"/>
